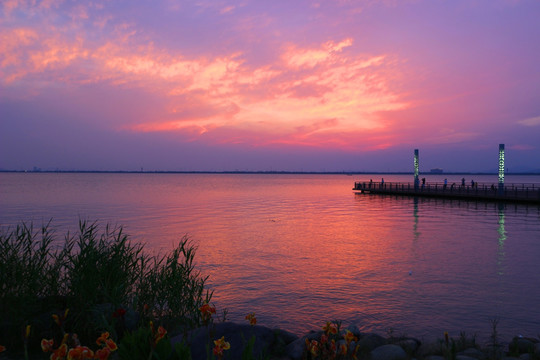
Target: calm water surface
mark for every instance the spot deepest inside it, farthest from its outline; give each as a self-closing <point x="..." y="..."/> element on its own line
<point x="302" y="249"/>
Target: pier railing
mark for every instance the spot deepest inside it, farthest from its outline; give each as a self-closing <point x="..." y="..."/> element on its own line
<point x="523" y="192"/>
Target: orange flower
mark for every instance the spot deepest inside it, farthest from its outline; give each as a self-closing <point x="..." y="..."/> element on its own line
<point x="220" y="346"/>
<point x="161" y="332"/>
<point x="80" y="353"/>
<point x="349" y="336"/>
<point x="343" y="349"/>
<point x="207" y="311"/>
<point x="329" y="328"/>
<point x="60" y="353"/>
<point x="59" y="320"/>
<point x="313" y="347"/>
<point x="74" y="354"/>
<point x="111" y="345"/>
<point x="2" y="348"/>
<point x="333" y="346"/>
<point x="47" y="345"/>
<point x="251" y="318"/>
<point x="222" y="343"/>
<point x="103" y="354"/>
<point x="103" y="338"/>
<point x="324" y="339"/>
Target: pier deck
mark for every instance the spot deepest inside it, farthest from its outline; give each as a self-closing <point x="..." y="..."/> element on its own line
<point x="528" y="193"/>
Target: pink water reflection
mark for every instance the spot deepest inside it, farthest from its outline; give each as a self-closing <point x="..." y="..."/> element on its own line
<point x="302" y="249"/>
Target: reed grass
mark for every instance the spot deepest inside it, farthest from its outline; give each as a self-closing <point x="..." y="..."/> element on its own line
<point x="94" y="274"/>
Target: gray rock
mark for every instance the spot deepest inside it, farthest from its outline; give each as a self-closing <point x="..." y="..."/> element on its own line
<point x="369" y="342"/>
<point x="473" y="353"/>
<point x="267" y="341"/>
<point x="522" y="345"/>
<point x="464" y="357"/>
<point x="410" y="345"/>
<point x="287" y="336"/>
<point x="524" y="357"/>
<point x="314" y="335"/>
<point x="295" y="349"/>
<point x="388" y="352"/>
<point x="434" y="357"/>
<point x="430" y="348"/>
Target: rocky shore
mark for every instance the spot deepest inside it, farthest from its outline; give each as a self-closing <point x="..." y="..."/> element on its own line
<point x="282" y="345"/>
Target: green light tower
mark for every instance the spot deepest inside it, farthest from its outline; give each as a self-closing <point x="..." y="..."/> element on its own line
<point x="501" y="169"/>
<point x="416" y="181"/>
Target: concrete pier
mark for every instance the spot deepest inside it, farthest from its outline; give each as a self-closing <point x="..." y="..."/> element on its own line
<point x="527" y="193"/>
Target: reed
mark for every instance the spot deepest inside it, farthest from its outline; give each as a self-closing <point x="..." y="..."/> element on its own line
<point x="107" y="282"/>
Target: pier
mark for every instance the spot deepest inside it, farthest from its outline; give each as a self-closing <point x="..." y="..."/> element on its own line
<point x="526" y="193"/>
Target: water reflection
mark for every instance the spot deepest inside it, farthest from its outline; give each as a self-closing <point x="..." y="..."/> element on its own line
<point x="300" y="250"/>
<point x="502" y="239"/>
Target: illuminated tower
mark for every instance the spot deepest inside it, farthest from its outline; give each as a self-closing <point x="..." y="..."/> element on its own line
<point x="416" y="181"/>
<point x="501" y="168"/>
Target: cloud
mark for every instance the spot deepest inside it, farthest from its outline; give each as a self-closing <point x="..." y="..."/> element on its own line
<point x="297" y="58"/>
<point x="273" y="100"/>
<point x="534" y="121"/>
<point x="312" y="95"/>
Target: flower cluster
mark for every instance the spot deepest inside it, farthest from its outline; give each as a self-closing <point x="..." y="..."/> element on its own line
<point x="220" y="346"/>
<point x="251" y="318"/>
<point x="206" y="312"/>
<point x="79" y="352"/>
<point x="332" y="344"/>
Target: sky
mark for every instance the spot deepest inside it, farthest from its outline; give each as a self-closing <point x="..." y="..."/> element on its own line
<point x="276" y="85"/>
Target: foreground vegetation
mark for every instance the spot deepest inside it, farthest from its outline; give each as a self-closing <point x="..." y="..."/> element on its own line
<point x="97" y="295"/>
<point x="92" y="285"/>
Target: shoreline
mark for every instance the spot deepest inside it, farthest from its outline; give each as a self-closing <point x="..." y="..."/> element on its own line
<point x="275" y="343"/>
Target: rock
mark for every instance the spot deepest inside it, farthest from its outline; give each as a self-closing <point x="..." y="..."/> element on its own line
<point x="464" y="357"/>
<point x="434" y="357"/>
<point x="430" y="348"/>
<point x="285" y="335"/>
<point x="314" y="335"/>
<point x="388" y="352"/>
<point x="410" y="345"/>
<point x="295" y="349"/>
<point x="369" y="342"/>
<point x="473" y="353"/>
<point x="524" y="357"/>
<point x="522" y="345"/>
<point x="267" y="341"/>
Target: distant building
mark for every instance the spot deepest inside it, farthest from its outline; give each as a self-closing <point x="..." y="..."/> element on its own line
<point x="436" y="171"/>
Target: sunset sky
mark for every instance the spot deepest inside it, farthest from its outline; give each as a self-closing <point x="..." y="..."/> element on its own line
<point x="300" y="85"/>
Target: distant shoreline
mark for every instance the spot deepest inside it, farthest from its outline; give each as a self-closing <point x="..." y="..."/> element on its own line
<point x="262" y="172"/>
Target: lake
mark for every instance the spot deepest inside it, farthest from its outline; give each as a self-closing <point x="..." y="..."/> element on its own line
<point x="299" y="250"/>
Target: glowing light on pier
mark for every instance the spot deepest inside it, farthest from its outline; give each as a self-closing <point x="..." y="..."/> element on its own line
<point x="501" y="168"/>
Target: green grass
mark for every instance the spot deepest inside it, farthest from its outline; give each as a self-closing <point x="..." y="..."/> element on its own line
<point x="93" y="273"/>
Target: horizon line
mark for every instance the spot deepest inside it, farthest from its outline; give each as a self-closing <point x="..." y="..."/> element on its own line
<point x="266" y="172"/>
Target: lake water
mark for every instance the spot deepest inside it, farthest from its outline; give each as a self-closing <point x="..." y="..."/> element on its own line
<point x="299" y="250"/>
